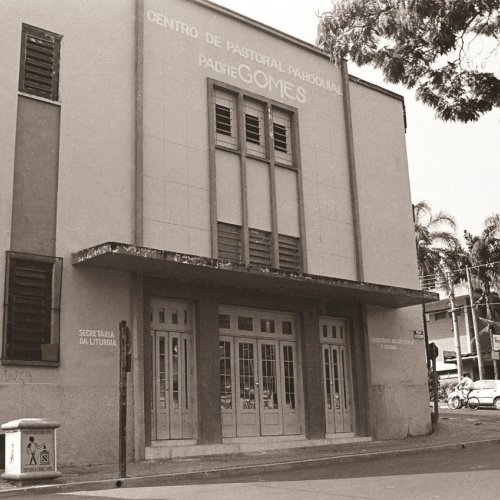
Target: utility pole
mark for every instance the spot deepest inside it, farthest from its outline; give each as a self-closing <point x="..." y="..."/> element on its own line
<point x="456" y="335"/>
<point x="476" y="329"/>
<point x="122" y="415"/>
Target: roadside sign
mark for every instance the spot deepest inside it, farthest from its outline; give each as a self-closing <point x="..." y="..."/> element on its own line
<point x="496" y="343"/>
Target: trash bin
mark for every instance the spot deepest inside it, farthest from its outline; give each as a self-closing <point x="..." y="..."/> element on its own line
<point x="30" y="449"/>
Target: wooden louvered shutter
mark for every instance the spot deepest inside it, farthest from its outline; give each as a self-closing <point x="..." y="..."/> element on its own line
<point x="229" y="241"/>
<point x="289" y="252"/>
<point x="32" y="305"/>
<point x="259" y="243"/>
<point x="39" y="69"/>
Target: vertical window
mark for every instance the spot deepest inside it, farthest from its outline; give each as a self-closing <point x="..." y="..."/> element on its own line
<point x="261" y="173"/>
<point x="39" y="67"/>
<point x="225" y="119"/>
<point x="226" y="388"/>
<point x="255" y="128"/>
<point x="31" y="314"/>
<point x="289" y="377"/>
<point x="282" y="140"/>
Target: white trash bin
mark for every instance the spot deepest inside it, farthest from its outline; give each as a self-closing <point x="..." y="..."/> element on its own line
<point x="30" y="449"/>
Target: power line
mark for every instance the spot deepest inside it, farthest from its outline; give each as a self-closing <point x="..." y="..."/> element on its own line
<point x="455" y="271"/>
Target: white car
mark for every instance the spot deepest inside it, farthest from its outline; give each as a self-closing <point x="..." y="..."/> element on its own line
<point x="487" y="391"/>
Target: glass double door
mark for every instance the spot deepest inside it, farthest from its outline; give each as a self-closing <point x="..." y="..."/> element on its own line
<point x="264" y="388"/>
<point x="172" y="414"/>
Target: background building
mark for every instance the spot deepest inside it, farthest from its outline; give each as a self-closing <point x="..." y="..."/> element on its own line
<point x="440" y="331"/>
<point x="240" y="201"/>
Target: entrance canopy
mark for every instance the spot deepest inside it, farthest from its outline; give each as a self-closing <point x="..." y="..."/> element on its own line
<point x="172" y="265"/>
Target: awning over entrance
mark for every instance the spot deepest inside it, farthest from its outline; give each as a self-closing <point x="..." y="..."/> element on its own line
<point x="162" y="263"/>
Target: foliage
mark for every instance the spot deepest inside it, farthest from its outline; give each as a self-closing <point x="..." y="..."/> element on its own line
<point x="424" y="44"/>
<point x="438" y="249"/>
<point x="484" y="257"/>
<point x="443" y="388"/>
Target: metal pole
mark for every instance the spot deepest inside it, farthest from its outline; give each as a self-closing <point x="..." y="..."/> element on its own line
<point x="122" y="419"/>
<point x="491" y="331"/>
<point x="456" y="334"/>
<point x="435" y="389"/>
<point x="480" y="365"/>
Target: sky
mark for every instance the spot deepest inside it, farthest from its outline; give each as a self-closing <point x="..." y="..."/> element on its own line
<point x="454" y="167"/>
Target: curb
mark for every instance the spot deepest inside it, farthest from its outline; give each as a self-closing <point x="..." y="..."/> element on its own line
<point x="178" y="477"/>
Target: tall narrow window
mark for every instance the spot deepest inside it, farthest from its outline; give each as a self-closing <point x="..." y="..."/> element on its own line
<point x="31" y="314"/>
<point x="282" y="140"/>
<point x="225" y="119"/>
<point x="39" y="67"/>
<point x="254" y="128"/>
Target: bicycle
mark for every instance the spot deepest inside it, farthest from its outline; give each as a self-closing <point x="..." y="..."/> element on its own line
<point x="457" y="400"/>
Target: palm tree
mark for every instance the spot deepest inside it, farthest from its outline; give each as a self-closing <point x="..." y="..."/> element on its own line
<point x="435" y="239"/>
<point x="484" y="256"/>
<point x="436" y="245"/>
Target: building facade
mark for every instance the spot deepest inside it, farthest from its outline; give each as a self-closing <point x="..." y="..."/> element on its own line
<point x="240" y="201"/>
<point x="440" y="331"/>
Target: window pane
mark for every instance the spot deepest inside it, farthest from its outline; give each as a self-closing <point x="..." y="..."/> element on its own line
<point x="247" y="376"/>
<point x="245" y="323"/>
<point x="269" y="382"/>
<point x="225" y="375"/>
<point x="224" y="321"/>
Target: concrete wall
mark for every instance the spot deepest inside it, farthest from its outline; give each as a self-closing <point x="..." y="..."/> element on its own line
<point x="94" y="204"/>
<point x="398" y="393"/>
<point x="186" y="43"/>
<point x="386" y="223"/>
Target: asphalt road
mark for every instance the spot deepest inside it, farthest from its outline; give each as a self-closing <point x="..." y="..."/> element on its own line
<point x="471" y="472"/>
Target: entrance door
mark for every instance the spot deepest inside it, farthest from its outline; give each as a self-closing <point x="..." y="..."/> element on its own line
<point x="258" y="399"/>
<point x="336" y="377"/>
<point x="172" y="412"/>
<point x="271" y="416"/>
<point x="247" y="400"/>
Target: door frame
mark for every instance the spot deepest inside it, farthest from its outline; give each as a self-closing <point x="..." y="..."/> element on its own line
<point x="340" y="340"/>
<point x="172" y="317"/>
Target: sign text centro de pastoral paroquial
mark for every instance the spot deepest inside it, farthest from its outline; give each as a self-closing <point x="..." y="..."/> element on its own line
<point x="288" y="83"/>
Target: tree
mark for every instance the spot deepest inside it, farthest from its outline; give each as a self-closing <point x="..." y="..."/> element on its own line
<point x="430" y="45"/>
<point x="439" y="253"/>
<point x="435" y="239"/>
<point x="484" y="256"/>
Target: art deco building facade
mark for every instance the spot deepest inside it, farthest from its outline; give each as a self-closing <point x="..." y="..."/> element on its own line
<point x="240" y="201"/>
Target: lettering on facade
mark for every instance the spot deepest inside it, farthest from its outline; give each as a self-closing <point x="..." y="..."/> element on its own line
<point x="388" y="344"/>
<point x="263" y="79"/>
<point x="104" y="338"/>
<point x="15" y="376"/>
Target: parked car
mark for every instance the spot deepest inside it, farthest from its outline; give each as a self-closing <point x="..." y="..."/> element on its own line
<point x="487" y="391"/>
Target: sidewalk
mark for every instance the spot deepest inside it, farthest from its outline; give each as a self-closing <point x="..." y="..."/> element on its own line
<point x="449" y="432"/>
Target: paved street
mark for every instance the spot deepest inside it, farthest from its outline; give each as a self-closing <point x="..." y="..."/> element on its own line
<point x="457" y="474"/>
<point x="437" y="466"/>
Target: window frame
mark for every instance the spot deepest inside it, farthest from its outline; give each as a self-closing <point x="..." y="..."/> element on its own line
<point x="52" y="353"/>
<point x="243" y="99"/>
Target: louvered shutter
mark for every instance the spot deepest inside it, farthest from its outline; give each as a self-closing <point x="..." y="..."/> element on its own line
<point x="289" y="252"/>
<point x="229" y="241"/>
<point x="40" y="53"/>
